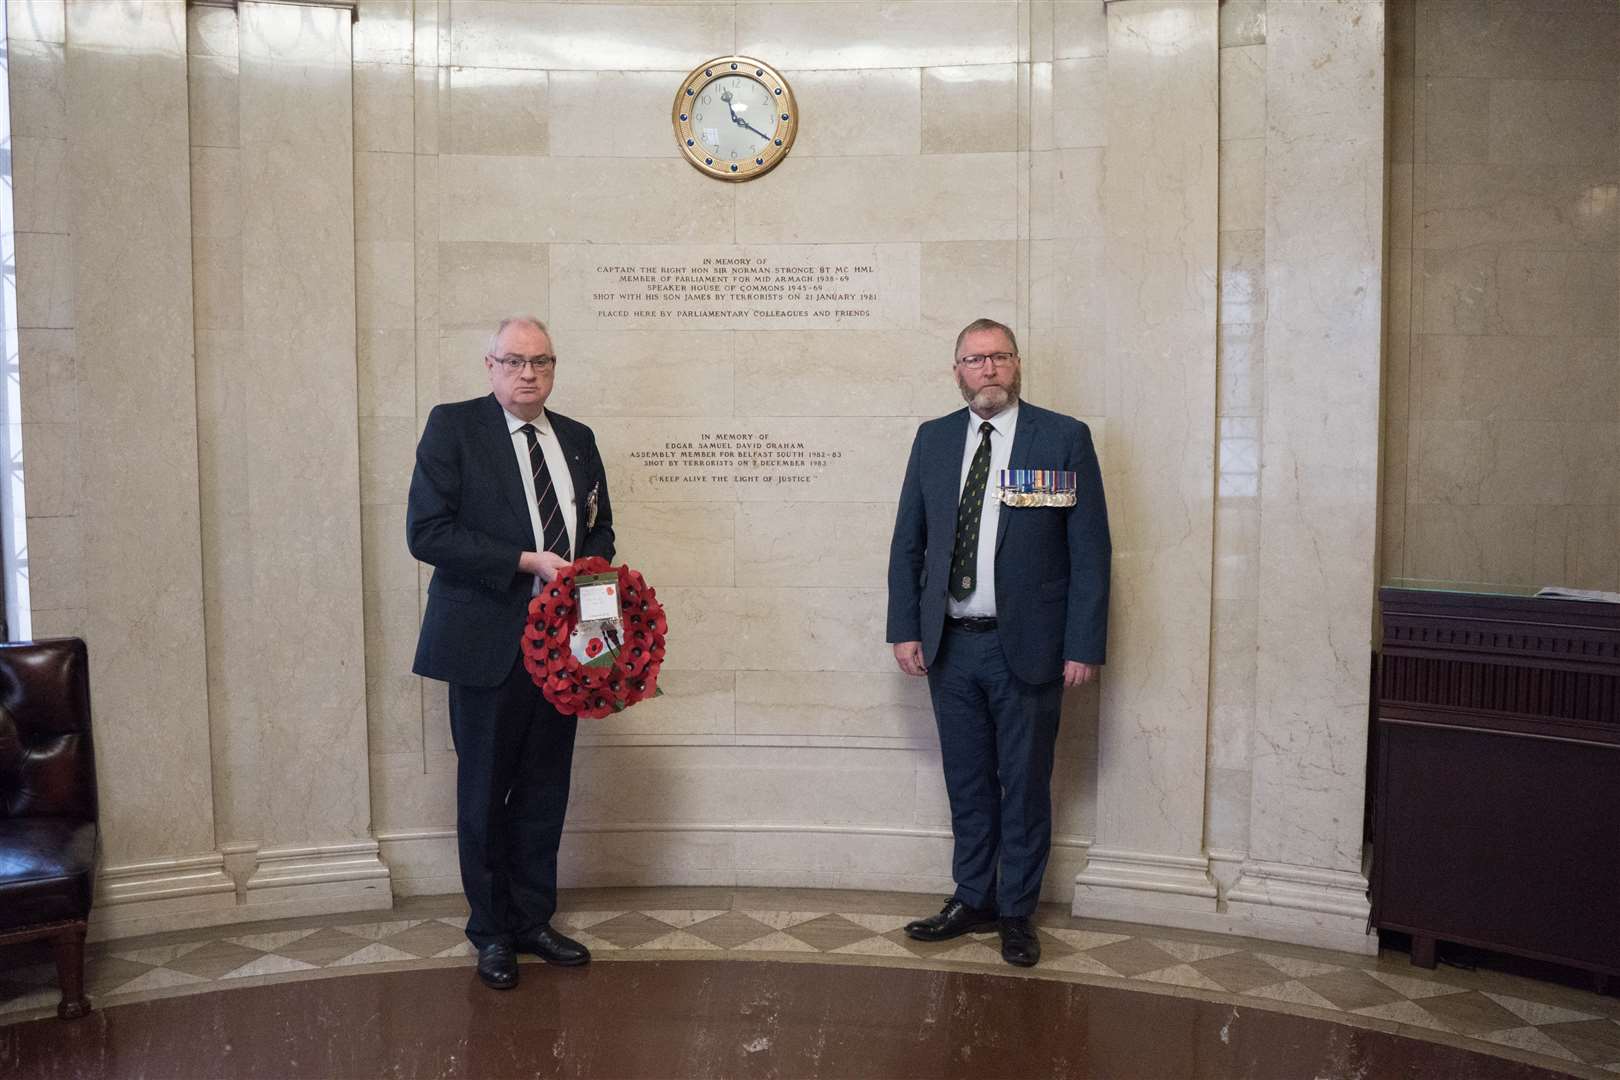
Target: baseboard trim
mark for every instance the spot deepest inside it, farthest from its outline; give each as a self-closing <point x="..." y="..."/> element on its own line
<point x="270" y="883"/>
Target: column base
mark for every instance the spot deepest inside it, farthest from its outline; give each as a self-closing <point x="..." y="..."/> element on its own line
<point x="183" y="893"/>
<point x="1134" y="886"/>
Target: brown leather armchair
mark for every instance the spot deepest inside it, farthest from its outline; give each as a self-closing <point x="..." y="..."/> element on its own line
<point x="47" y="805"/>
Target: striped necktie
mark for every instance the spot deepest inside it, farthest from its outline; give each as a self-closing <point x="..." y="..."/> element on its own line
<point x="545" y="497"/>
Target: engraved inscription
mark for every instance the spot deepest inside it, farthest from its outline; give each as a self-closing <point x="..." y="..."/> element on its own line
<point x="758" y="287"/>
<point x="733" y="457"/>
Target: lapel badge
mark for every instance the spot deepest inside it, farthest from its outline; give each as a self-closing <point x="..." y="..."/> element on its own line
<point x="1037" y="487"/>
<point x="590" y="506"/>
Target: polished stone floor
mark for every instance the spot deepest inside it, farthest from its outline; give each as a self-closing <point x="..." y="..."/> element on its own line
<point x="1108" y="999"/>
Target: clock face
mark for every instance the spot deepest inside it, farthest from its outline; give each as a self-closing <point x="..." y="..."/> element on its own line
<point x="734" y="118"/>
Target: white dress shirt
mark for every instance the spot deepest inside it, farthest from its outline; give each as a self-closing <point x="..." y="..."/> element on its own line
<point x="981" y="602"/>
<point x="561" y="479"/>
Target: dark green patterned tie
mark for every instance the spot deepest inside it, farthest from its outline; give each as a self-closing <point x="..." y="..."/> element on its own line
<point x="965" y="557"/>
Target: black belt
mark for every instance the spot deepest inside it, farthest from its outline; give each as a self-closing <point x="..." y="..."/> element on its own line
<point x="973" y="625"/>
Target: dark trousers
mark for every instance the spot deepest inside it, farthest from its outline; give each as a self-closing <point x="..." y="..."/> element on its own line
<point x="514" y="757"/>
<point x="997" y="735"/>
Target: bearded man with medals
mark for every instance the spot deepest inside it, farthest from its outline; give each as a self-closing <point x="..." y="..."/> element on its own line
<point x="998" y="595"/>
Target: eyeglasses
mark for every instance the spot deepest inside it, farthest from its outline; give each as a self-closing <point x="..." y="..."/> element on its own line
<point x="515" y="364"/>
<point x="976" y="361"/>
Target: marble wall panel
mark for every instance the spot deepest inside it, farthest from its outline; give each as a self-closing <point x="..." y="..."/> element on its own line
<point x="1501" y="377"/>
<point x="1080" y="102"/>
<point x="928" y="33"/>
<point x="39" y="183"/>
<point x="601" y="114"/>
<point x="1554" y="120"/>
<point x="590" y="200"/>
<point x="968" y="110"/>
<point x="36" y="20"/>
<point x="676" y="544"/>
<point x="856" y="200"/>
<point x="386" y="367"/>
<point x="1324" y="260"/>
<point x="504" y="111"/>
<point x="846" y="104"/>
<point x="50" y="378"/>
<point x="875" y="705"/>
<point x="45" y="263"/>
<point x="798" y="629"/>
<point x="384" y="196"/>
<point x="1243" y="92"/>
<point x="662" y="373"/>
<point x="125" y="73"/>
<point x="591" y="37"/>
<point x="1079" y="29"/>
<point x="383" y="107"/>
<point x="482" y="282"/>
<point x="36" y="74"/>
<point x="846" y="543"/>
<point x="1471" y="37"/>
<point x="384" y="32"/>
<point x="963" y="281"/>
<point x="1529" y="206"/>
<point x="844" y="373"/>
<point x="304" y="488"/>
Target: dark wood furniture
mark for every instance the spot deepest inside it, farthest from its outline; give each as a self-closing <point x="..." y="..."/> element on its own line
<point x="1496" y="812"/>
<point x="47" y="805"/>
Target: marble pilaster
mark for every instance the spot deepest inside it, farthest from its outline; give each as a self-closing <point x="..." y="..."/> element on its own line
<point x="129" y="203"/>
<point x="1159" y="194"/>
<point x="1319" y="471"/>
<point x="301" y="493"/>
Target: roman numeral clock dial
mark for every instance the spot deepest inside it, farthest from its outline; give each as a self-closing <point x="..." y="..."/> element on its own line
<point x="734" y="118"/>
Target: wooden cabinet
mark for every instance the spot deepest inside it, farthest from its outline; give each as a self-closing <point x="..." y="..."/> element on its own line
<point x="1496" y="781"/>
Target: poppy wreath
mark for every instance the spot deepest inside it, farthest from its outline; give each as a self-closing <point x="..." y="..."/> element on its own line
<point x="593" y="692"/>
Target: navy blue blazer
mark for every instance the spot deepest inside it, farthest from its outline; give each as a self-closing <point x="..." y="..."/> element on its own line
<point x="1052" y="563"/>
<point x="468" y="518"/>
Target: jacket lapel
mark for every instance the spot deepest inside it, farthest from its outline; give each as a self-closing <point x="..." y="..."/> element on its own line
<point x="508" y="472"/>
<point x="943" y="468"/>
<point x="1023" y="439"/>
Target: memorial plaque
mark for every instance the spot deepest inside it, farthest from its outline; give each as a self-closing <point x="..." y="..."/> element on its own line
<point x="759" y="287"/>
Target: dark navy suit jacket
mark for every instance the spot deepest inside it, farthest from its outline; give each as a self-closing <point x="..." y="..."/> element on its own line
<point x="468" y="518"/>
<point x="1052" y="563"/>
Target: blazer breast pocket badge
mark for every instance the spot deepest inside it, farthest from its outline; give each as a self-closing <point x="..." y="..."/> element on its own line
<point x="1037" y="487"/>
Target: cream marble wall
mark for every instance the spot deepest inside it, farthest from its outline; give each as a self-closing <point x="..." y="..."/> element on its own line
<point x="1503" y="392"/>
<point x="401" y="181"/>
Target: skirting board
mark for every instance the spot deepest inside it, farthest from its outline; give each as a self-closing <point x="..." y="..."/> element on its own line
<point x="1299" y="905"/>
<point x="424" y="862"/>
<point x="195" y="891"/>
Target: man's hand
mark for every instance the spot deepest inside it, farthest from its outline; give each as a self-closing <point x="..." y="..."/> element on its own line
<point x="908" y="654"/>
<point x="543" y="564"/>
<point x="1075" y="673"/>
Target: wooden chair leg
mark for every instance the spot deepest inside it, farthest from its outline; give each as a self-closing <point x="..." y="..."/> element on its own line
<point x="69" y="949"/>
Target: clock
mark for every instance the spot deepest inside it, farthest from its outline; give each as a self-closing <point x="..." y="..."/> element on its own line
<point x="734" y="118"/>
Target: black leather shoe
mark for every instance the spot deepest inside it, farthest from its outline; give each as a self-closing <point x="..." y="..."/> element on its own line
<point x="953" y="920"/>
<point x="497" y="966"/>
<point x="1019" y="945"/>
<point x="554" y="948"/>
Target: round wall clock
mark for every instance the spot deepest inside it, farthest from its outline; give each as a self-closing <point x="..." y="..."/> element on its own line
<point x="734" y="118"/>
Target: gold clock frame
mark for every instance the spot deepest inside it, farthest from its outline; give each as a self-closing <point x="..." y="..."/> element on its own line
<point x="738" y="169"/>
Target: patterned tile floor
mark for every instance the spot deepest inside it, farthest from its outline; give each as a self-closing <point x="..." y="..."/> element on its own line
<point x="1544" y="1023"/>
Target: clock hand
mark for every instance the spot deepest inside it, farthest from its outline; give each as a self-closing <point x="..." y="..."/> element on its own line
<point x="740" y="122"/>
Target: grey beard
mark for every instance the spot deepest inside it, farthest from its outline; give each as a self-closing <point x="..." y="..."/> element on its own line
<point x="991" y="398"/>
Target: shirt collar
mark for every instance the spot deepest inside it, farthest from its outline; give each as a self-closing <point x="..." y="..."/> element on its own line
<point x="1004" y="421"/>
<point x="542" y="423"/>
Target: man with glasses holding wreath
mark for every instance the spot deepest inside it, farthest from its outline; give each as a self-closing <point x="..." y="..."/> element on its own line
<point x="998" y="594"/>
<point x="505" y="493"/>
